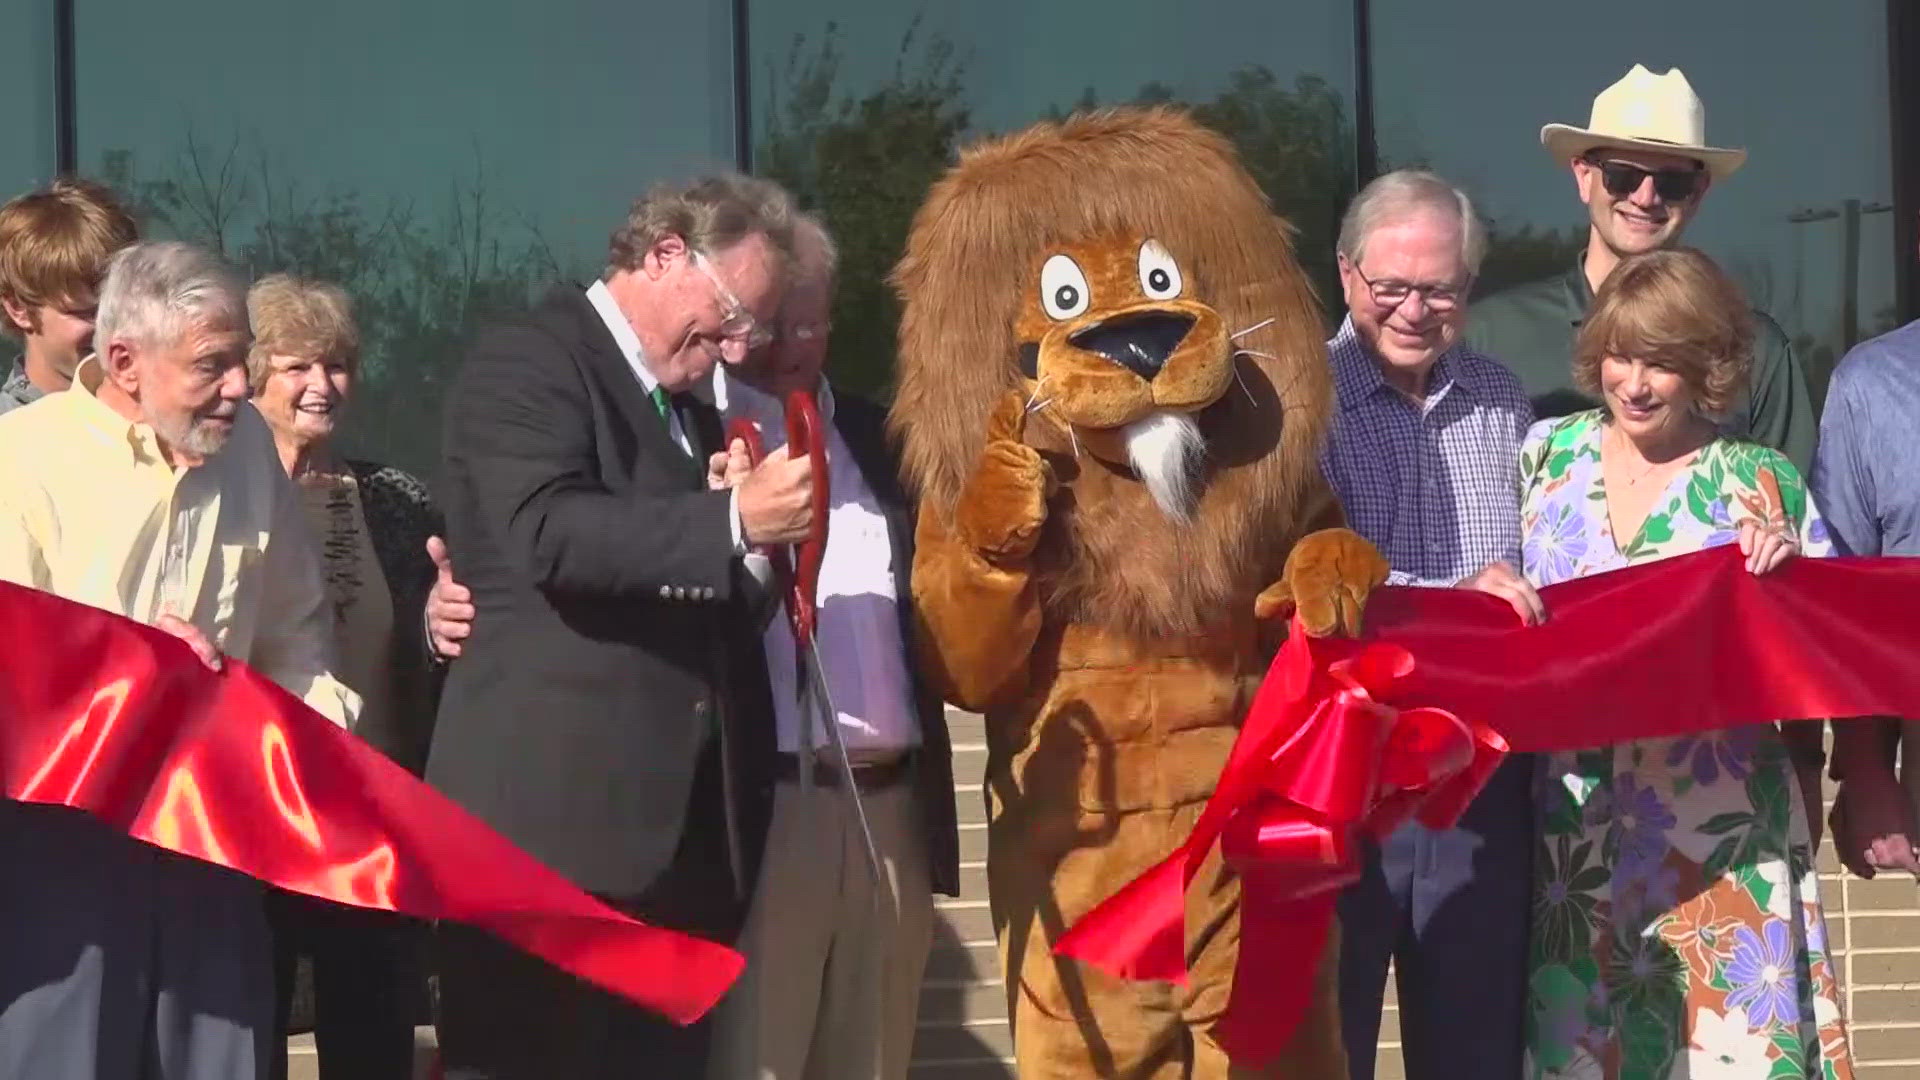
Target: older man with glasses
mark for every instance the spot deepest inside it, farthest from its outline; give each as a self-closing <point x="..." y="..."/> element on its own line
<point x="1425" y="455"/>
<point x="610" y="712"/>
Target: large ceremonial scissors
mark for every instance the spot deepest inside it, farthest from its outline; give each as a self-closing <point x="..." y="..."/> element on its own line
<point x="799" y="582"/>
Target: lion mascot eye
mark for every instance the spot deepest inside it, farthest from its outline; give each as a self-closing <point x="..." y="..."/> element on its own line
<point x="1159" y="274"/>
<point x="1063" y="288"/>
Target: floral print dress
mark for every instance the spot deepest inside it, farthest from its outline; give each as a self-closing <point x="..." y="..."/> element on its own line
<point x="1677" y="932"/>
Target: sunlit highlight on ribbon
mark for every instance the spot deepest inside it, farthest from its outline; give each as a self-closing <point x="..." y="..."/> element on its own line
<point x="181" y="822"/>
<point x="99" y="717"/>
<point x="367" y="881"/>
<point x="283" y="784"/>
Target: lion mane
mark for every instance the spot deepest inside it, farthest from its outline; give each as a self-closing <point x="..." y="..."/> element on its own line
<point x="1108" y="556"/>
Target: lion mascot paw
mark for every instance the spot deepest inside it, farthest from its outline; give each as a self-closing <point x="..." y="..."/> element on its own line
<point x="1112" y="393"/>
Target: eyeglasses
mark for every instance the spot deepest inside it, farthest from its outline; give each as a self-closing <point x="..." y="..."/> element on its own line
<point x="808" y="332"/>
<point x="1391" y="292"/>
<point x="736" y="322"/>
<point x="1622" y="178"/>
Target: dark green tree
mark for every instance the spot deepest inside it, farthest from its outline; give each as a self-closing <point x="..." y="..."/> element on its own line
<point x="1298" y="144"/>
<point x="1296" y="141"/>
<point x="1526" y="254"/>
<point x="864" y="165"/>
<point x="421" y="284"/>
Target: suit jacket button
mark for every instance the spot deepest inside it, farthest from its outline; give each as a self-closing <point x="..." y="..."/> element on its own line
<point x="666" y="592"/>
<point x="706" y="593"/>
<point x="679" y="592"/>
<point x="700" y="709"/>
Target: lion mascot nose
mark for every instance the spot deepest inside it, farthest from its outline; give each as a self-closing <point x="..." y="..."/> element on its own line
<point x="1139" y="342"/>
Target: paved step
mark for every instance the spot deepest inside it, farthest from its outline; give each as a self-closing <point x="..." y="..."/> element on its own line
<point x="303" y="1064"/>
<point x="971" y="960"/>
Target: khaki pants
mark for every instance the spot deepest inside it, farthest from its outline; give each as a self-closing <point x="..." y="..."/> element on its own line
<point x="832" y="984"/>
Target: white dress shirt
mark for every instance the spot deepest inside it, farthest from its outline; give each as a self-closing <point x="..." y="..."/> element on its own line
<point x="858" y="622"/>
<point x="629" y="343"/>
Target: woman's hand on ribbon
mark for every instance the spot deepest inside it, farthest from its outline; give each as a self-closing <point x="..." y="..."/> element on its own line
<point x="1767" y="547"/>
<point x="1503" y="581"/>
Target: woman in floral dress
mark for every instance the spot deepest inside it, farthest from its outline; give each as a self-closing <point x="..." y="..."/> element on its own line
<point x="1677" y="930"/>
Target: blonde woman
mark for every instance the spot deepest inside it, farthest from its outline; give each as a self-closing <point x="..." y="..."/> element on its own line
<point x="1677" y="928"/>
<point x="373" y="523"/>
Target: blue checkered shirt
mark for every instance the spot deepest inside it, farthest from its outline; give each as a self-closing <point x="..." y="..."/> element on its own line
<point x="1434" y="485"/>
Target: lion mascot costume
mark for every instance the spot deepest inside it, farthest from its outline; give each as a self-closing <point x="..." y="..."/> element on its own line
<point x="1111" y="397"/>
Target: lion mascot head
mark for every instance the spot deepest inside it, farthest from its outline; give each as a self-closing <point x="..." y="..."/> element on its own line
<point x="1123" y="275"/>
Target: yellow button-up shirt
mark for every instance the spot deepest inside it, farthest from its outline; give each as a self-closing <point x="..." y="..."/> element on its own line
<point x="91" y="511"/>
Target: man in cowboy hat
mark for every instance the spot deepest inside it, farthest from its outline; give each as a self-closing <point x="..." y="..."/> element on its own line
<point x="1642" y="166"/>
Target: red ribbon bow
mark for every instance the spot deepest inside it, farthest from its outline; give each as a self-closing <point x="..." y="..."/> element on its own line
<point x="1320" y="764"/>
<point x="1683" y="645"/>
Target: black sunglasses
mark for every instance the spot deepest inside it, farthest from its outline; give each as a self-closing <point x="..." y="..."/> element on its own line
<point x="1672" y="185"/>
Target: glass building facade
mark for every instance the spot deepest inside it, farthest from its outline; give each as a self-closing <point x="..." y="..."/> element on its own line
<point x="443" y="159"/>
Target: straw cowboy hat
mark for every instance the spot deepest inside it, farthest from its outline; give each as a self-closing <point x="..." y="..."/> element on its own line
<point x="1644" y="111"/>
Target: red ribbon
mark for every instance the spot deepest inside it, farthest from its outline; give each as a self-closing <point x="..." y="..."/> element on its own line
<point x="1349" y="738"/>
<point x="117" y="719"/>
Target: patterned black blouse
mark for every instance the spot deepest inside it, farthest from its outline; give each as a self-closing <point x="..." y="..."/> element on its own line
<point x="400" y="517"/>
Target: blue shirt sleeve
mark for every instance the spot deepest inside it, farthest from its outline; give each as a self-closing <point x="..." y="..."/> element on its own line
<point x="1842" y="480"/>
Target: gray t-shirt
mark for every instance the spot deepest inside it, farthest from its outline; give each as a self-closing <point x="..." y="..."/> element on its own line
<point x="17" y="391"/>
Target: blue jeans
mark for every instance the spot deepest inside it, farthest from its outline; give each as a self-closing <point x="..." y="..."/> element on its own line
<point x="1450" y="909"/>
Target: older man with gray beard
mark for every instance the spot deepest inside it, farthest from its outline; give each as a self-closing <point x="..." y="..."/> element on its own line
<point x="150" y="489"/>
<point x="1424" y="452"/>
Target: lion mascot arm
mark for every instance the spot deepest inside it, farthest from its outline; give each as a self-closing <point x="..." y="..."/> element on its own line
<point x="1328" y="576"/>
<point x="973" y="577"/>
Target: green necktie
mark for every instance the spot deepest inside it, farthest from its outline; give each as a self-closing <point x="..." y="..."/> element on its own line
<point x="662" y="402"/>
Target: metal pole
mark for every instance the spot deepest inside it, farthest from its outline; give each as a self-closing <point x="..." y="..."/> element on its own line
<point x="1366" y="155"/>
<point x="65" y="119"/>
<point x="1849" y="275"/>
<point x="1903" y="78"/>
<point x="742" y="89"/>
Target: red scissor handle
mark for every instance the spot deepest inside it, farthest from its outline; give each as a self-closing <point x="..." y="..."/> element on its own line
<point x="743" y="429"/>
<point x="804" y="436"/>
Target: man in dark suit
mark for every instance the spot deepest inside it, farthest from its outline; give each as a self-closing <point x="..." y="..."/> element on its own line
<point x="835" y="958"/>
<point x="610" y="712"/>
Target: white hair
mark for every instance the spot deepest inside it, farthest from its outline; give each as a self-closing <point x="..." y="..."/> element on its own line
<point x="1167" y="451"/>
<point x="156" y="289"/>
<point x="815" y="257"/>
<point x="1397" y="196"/>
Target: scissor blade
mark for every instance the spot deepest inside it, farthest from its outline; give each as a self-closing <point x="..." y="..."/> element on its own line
<point x="823" y="698"/>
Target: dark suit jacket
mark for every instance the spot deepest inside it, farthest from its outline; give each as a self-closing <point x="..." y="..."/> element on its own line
<point x="862" y="424"/>
<point x="612" y="648"/>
